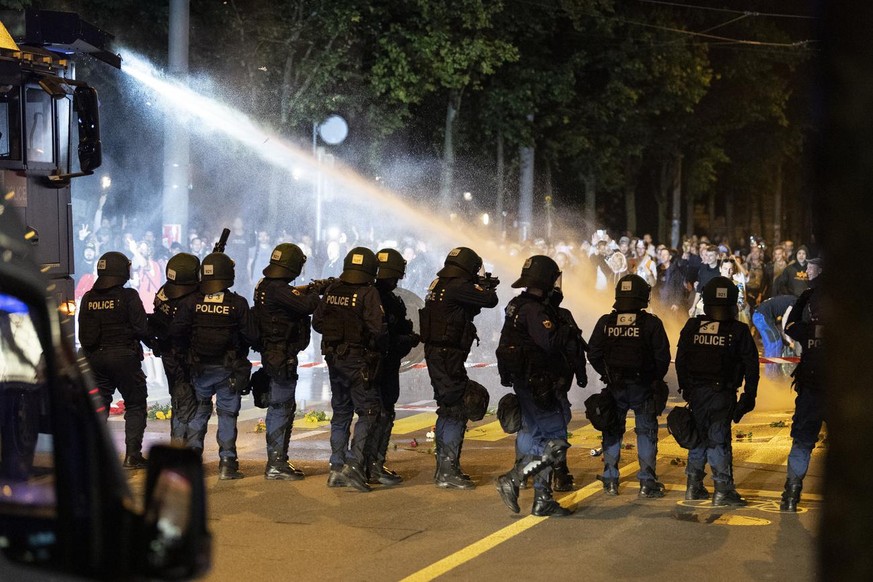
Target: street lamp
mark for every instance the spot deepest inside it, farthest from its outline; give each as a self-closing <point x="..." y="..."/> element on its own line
<point x="333" y="131"/>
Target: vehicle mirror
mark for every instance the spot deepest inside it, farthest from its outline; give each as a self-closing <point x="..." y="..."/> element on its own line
<point x="176" y="543"/>
<point x="88" y="114"/>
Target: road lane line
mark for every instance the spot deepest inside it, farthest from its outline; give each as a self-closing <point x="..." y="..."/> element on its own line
<point x="493" y="540"/>
<point x="489" y="432"/>
<point x="414" y="423"/>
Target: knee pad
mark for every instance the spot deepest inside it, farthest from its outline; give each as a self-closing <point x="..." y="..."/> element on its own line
<point x="554" y="449"/>
<point x="204" y="404"/>
<point x="288" y="405"/>
<point x="227" y="413"/>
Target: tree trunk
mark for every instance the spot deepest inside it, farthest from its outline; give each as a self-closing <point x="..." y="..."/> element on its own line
<point x="729" y="215"/>
<point x="525" y="189"/>
<point x="710" y="210"/>
<point x="690" y="199"/>
<point x="630" y="198"/>
<point x="547" y="199"/>
<point x="501" y="188"/>
<point x="777" y="206"/>
<point x="590" y="210"/>
<point x="447" y="176"/>
<point x="677" y="201"/>
<point x="662" y="189"/>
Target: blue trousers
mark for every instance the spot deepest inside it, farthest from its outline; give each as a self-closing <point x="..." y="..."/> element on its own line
<point x="712" y="410"/>
<point x="352" y="391"/>
<point x="637" y="397"/>
<point x="538" y="426"/>
<point x="215" y="381"/>
<point x="280" y="414"/>
<point x="806" y="424"/>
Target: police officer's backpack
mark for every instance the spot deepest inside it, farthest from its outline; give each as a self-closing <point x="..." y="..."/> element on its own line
<point x="509" y="414"/>
<point x="601" y="411"/>
<point x="680" y="424"/>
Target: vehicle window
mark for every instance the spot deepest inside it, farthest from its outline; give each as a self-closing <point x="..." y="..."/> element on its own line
<point x="27" y="483"/>
<point x="64" y="107"/>
<point x="40" y="131"/>
<point x="10" y="125"/>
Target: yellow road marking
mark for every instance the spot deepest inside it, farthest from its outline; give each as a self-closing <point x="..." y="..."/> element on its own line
<point x="414" y="423"/>
<point x="476" y="549"/>
<point x="487" y="432"/>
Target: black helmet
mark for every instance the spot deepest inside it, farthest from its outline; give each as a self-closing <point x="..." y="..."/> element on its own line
<point x="509" y="413"/>
<point x="216" y="273"/>
<point x="359" y="266"/>
<point x="476" y="400"/>
<point x="113" y="269"/>
<point x="720" y="299"/>
<point x="392" y="265"/>
<point x="539" y="272"/>
<point x="631" y="293"/>
<point x="461" y="262"/>
<point x="286" y="262"/>
<point x="183" y="272"/>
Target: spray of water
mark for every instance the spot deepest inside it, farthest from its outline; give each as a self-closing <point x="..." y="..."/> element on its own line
<point x="215" y="117"/>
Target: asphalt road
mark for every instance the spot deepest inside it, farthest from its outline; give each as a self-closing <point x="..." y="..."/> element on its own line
<point x="269" y="530"/>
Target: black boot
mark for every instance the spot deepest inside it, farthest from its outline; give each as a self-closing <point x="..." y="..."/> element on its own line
<point x="355" y="477"/>
<point x="561" y="477"/>
<point x="726" y="496"/>
<point x="379" y="473"/>
<point x="449" y="476"/>
<point x="651" y="489"/>
<point x="280" y="469"/>
<point x="336" y="478"/>
<point x="508" y="485"/>
<point x="610" y="486"/>
<point x="545" y="505"/>
<point x="135" y="461"/>
<point x="694" y="488"/>
<point x="791" y="495"/>
<point x="229" y="469"/>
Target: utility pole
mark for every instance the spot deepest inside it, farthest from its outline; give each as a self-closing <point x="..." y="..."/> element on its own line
<point x="177" y="172"/>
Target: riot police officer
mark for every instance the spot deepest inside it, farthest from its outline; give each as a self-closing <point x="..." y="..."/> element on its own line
<point x="400" y="340"/>
<point x="453" y="299"/>
<point x="571" y="362"/>
<point x="808" y="329"/>
<point x="630" y="350"/>
<point x="529" y="346"/>
<point x="112" y="323"/>
<point x="282" y="314"/>
<point x="217" y="327"/>
<point x="715" y="354"/>
<point x="351" y="322"/>
<point x="183" y="276"/>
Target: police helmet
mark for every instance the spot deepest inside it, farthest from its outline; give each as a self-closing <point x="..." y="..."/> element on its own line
<point x="509" y="413"/>
<point x="461" y="262"/>
<point x="183" y="272"/>
<point x="539" y="272"/>
<point x="113" y="269"/>
<point x="631" y="293"/>
<point x="359" y="266"/>
<point x="286" y="262"/>
<point x="216" y="273"/>
<point x="476" y="400"/>
<point x="392" y="265"/>
<point x="720" y="296"/>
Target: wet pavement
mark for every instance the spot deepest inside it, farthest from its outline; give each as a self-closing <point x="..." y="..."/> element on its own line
<point x="270" y="530"/>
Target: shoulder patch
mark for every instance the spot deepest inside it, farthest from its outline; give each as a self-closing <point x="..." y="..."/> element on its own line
<point x="295" y="291"/>
<point x="547" y="323"/>
<point x="478" y="287"/>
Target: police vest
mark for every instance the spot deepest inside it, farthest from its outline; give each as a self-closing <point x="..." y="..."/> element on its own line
<point x="395" y="318"/>
<point x="517" y="351"/>
<point x="279" y="329"/>
<point x="160" y="320"/>
<point x="710" y="351"/>
<point x="812" y="360"/>
<point x="441" y="325"/>
<point x="113" y="329"/>
<point x="626" y="353"/>
<point x="214" y="326"/>
<point x="343" y="316"/>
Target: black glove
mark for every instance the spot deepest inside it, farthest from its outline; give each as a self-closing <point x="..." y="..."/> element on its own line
<point x="745" y="404"/>
<point x="414" y="339"/>
<point x="582" y="381"/>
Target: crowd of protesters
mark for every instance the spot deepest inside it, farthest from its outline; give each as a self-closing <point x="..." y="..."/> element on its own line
<point x="677" y="275"/>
